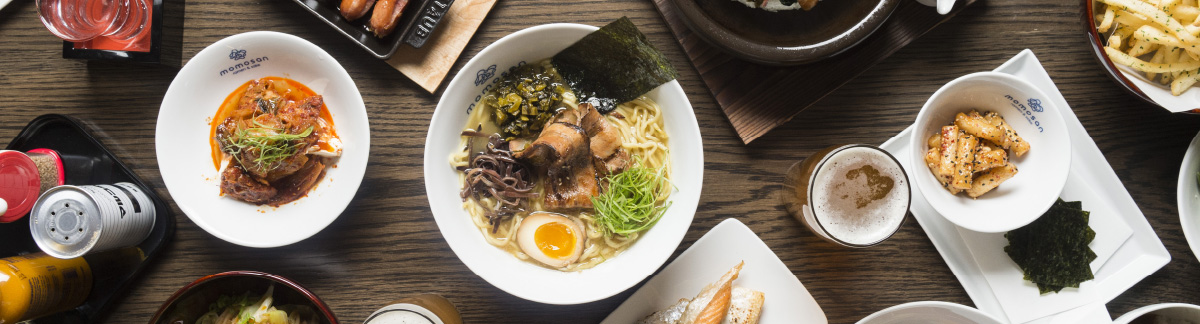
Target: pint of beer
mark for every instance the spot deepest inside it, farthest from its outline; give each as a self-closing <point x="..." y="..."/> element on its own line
<point x="853" y="195"/>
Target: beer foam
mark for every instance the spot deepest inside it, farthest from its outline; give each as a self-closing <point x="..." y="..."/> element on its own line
<point x="846" y="204"/>
<point x="399" y="317"/>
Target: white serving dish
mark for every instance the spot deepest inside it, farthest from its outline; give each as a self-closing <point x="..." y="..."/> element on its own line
<point x="730" y="242"/>
<point x="929" y="312"/>
<point x="1188" y="196"/>
<point x="525" y="279"/>
<point x="1175" y="310"/>
<point x="1042" y="171"/>
<point x="1141" y="255"/>
<point x="181" y="138"/>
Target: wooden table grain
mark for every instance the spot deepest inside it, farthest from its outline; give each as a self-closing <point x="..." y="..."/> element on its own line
<point x="387" y="246"/>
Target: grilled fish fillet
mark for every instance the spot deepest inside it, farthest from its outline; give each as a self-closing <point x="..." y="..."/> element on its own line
<point x="718" y="303"/>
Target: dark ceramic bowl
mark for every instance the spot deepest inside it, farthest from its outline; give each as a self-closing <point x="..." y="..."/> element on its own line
<point x="192" y="301"/>
<point x="1114" y="73"/>
<point x="790" y="37"/>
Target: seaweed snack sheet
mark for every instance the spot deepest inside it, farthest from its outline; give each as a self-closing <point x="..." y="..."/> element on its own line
<point x="1020" y="299"/>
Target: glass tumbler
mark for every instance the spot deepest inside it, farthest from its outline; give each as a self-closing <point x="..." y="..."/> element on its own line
<point x="83" y="20"/>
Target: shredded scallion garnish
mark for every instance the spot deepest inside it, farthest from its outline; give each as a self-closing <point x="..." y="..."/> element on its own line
<point x="271" y="145"/>
<point x="632" y="202"/>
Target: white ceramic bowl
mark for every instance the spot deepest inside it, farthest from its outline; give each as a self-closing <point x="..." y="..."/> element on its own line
<point x="929" y="312"/>
<point x="1176" y="311"/>
<point x="182" y="134"/>
<point x="1041" y="173"/>
<point x="524" y="279"/>
<point x="1187" y="195"/>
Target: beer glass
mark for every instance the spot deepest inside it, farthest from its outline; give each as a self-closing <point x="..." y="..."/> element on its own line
<point x="853" y="195"/>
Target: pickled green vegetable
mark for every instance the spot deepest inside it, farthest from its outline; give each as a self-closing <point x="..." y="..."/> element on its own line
<point x="525" y="99"/>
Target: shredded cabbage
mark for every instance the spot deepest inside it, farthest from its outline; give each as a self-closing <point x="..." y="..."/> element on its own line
<point x="247" y="309"/>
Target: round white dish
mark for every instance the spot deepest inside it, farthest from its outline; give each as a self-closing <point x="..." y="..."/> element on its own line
<point x="503" y="270"/>
<point x="1171" y="310"/>
<point x="1187" y="195"/>
<point x="1041" y="174"/>
<point x="929" y="312"/>
<point x="181" y="138"/>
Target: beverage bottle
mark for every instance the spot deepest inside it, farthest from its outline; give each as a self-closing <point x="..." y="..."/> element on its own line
<point x="82" y="20"/>
<point x="37" y="284"/>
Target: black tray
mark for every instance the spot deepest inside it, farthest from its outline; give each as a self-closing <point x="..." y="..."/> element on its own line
<point x="408" y="30"/>
<point x="86" y="161"/>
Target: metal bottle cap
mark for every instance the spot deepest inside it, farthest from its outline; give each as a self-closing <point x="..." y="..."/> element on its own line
<point x="68" y="226"/>
<point x="19" y="184"/>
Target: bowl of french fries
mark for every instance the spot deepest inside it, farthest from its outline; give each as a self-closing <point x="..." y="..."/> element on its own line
<point x="1149" y="47"/>
<point x="990" y="152"/>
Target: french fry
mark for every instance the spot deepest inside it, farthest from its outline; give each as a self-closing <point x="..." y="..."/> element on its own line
<point x="1154" y="14"/>
<point x="1140" y="65"/>
<point x="964" y="168"/>
<point x="1106" y="20"/>
<point x="935" y="140"/>
<point x="991" y="179"/>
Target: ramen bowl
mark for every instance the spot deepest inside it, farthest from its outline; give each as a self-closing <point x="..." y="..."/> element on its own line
<point x="929" y="312"/>
<point x="523" y="278"/>
<point x="193" y="300"/>
<point x="1041" y="172"/>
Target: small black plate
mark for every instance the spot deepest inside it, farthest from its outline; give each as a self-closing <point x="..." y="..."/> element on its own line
<point x="86" y="162"/>
<point x="383" y="48"/>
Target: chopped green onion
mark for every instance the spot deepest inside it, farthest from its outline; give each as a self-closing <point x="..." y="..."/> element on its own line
<point x="632" y="202"/>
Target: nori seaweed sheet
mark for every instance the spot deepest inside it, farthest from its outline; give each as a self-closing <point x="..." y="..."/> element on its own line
<point x="613" y="65"/>
<point x="1053" y="251"/>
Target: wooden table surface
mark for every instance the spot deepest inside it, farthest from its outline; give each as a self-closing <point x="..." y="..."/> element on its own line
<point x="387" y="246"/>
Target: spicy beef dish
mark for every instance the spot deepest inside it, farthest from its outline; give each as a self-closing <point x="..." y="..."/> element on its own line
<point x="272" y="139"/>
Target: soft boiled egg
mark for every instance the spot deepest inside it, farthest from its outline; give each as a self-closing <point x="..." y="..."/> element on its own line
<point x="552" y="239"/>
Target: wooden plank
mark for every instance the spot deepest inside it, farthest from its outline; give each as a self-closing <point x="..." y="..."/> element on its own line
<point x="430" y="64"/>
<point x="757" y="98"/>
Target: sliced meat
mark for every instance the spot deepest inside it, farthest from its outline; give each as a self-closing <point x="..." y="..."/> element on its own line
<point x="605" y="138"/>
<point x="615" y="164"/>
<point x="298" y="116"/>
<point x="559" y="141"/>
<point x="241" y="186"/>
<point x="299" y="183"/>
<point x="572" y="186"/>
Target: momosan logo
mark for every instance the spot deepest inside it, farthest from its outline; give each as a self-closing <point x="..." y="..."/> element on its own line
<point x="243" y="63"/>
<point x="237" y="54"/>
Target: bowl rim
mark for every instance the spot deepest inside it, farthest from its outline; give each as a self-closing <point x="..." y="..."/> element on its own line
<point x="728" y="41"/>
<point x="1138" y="312"/>
<point x="321" y="306"/>
<point x="659" y="259"/>
<point x="926" y="303"/>
<point x="917" y="158"/>
<point x="1110" y="68"/>
<point x="197" y="215"/>
<point x="1188" y="179"/>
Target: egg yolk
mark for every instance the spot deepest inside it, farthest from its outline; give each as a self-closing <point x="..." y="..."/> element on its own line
<point x="555" y="240"/>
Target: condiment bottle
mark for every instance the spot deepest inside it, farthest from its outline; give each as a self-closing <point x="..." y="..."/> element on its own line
<point x="50" y="168"/>
<point x="420" y="309"/>
<point x="36" y="284"/>
<point x="20" y="184"/>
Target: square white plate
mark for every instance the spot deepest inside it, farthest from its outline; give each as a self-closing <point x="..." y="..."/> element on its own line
<point x="1140" y="255"/>
<point x="730" y="242"/>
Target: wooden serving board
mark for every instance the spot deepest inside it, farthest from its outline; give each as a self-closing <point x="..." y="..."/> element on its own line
<point x="757" y="98"/>
<point x="430" y="64"/>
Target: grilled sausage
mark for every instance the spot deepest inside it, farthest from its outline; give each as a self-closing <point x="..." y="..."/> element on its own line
<point x="354" y="9"/>
<point x="386" y="16"/>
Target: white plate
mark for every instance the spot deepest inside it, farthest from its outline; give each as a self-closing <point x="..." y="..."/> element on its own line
<point x="730" y="242"/>
<point x="1188" y="197"/>
<point x="1177" y="311"/>
<point x="503" y="270"/>
<point x="1141" y="255"/>
<point x="1041" y="172"/>
<point x="182" y="134"/>
<point x="929" y="312"/>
